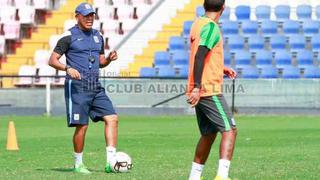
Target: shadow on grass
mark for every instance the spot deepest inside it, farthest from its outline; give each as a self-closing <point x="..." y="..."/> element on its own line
<point x="62" y="169"/>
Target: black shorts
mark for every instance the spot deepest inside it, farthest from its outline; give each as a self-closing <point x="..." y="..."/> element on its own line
<point x="214" y="115"/>
<point x="82" y="104"/>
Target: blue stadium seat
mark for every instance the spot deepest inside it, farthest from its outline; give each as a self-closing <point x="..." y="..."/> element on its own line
<point x="282" y="58"/>
<point x="186" y="28"/>
<point x="243" y="12"/>
<point x="180" y="57"/>
<point x="242" y="59"/>
<point x="147" y="72"/>
<point x="269" y="28"/>
<point x="235" y="43"/>
<point x="269" y="72"/>
<point x="297" y="42"/>
<point x="263" y="12"/>
<point x="278" y="42"/>
<point x="166" y="71"/>
<point x="200" y="11"/>
<point x="304" y="58"/>
<point x="227" y="58"/>
<point x="291" y="72"/>
<point x="282" y="12"/>
<point x="225" y="15"/>
<point x="161" y="58"/>
<point x="183" y="71"/>
<point x="250" y="27"/>
<point x="229" y="27"/>
<point x="318" y="12"/>
<point x="304" y="12"/>
<point x="310" y="27"/>
<point x="263" y="58"/>
<point x="176" y="42"/>
<point x="315" y="42"/>
<point x="291" y="27"/>
<point x="255" y="43"/>
<point x="311" y="72"/>
<point x="250" y="72"/>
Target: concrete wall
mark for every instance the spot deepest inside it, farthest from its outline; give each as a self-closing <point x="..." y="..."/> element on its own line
<point x="250" y="95"/>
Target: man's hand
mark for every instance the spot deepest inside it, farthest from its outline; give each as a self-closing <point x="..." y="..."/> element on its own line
<point x="230" y="73"/>
<point x="194" y="97"/>
<point x="112" y="56"/>
<point x="73" y="73"/>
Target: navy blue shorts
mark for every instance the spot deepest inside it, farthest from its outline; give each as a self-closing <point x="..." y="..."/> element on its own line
<point x="82" y="103"/>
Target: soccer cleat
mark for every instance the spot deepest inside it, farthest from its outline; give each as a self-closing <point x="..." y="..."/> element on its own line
<point x="220" y="178"/>
<point x="82" y="169"/>
<point x="107" y="169"/>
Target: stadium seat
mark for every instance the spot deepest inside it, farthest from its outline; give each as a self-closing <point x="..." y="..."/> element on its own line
<point x="291" y="27"/>
<point x="229" y="27"/>
<point x="225" y="15"/>
<point x="128" y="25"/>
<point x="104" y="12"/>
<point x="282" y="12"/>
<point x="147" y="72"/>
<point x="22" y="3"/>
<point x="290" y="72"/>
<point x="269" y="28"/>
<point x="69" y="23"/>
<point x="282" y="58"/>
<point x="41" y="58"/>
<point x="250" y="72"/>
<point x="263" y="58"/>
<point x="166" y="71"/>
<point x="235" y="43"/>
<point x="318" y="12"/>
<point x="304" y="12"/>
<point x="227" y="58"/>
<point x="304" y="58"/>
<point x="278" y="42"/>
<point x="200" y="11"/>
<point x="311" y="72"/>
<point x="27" y="14"/>
<point x="243" y="12"/>
<point x="110" y="26"/>
<point x="42" y="4"/>
<point x="180" y="57"/>
<point x="45" y="70"/>
<point x="99" y="3"/>
<point x="8" y="14"/>
<point x="242" y="59"/>
<point x="269" y="72"/>
<point x="250" y="27"/>
<point x="176" y="42"/>
<point x="186" y="28"/>
<point x="255" y="43"/>
<point x="161" y="58"/>
<point x="2" y="44"/>
<point x="12" y="30"/>
<point x="297" y="42"/>
<point x="310" y="27"/>
<point x="263" y="12"/>
<point x="315" y="42"/>
<point x="25" y="70"/>
<point x="183" y="71"/>
<point x="59" y="81"/>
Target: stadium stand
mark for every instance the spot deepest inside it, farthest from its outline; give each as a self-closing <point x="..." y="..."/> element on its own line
<point x="259" y="35"/>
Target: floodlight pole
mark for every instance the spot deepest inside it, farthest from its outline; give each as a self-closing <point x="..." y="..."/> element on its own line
<point x="48" y="97"/>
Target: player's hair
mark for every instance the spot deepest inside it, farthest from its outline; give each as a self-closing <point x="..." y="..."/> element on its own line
<point x="213" y="5"/>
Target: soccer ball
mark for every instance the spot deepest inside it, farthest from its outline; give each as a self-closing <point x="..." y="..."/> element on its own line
<point x="120" y="163"/>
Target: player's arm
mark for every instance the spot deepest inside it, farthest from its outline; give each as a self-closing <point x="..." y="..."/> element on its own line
<point x="61" y="48"/>
<point x="105" y="61"/>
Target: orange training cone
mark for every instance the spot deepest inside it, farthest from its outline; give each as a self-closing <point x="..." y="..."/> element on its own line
<point x="12" y="143"/>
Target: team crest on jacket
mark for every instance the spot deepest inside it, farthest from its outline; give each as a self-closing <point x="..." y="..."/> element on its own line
<point x="96" y="39"/>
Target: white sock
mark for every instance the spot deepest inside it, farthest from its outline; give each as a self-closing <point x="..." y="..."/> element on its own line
<point x="77" y="159"/>
<point x="110" y="152"/>
<point x="196" y="170"/>
<point x="223" y="170"/>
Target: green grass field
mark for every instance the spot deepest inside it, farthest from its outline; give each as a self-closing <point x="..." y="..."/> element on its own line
<point x="162" y="148"/>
